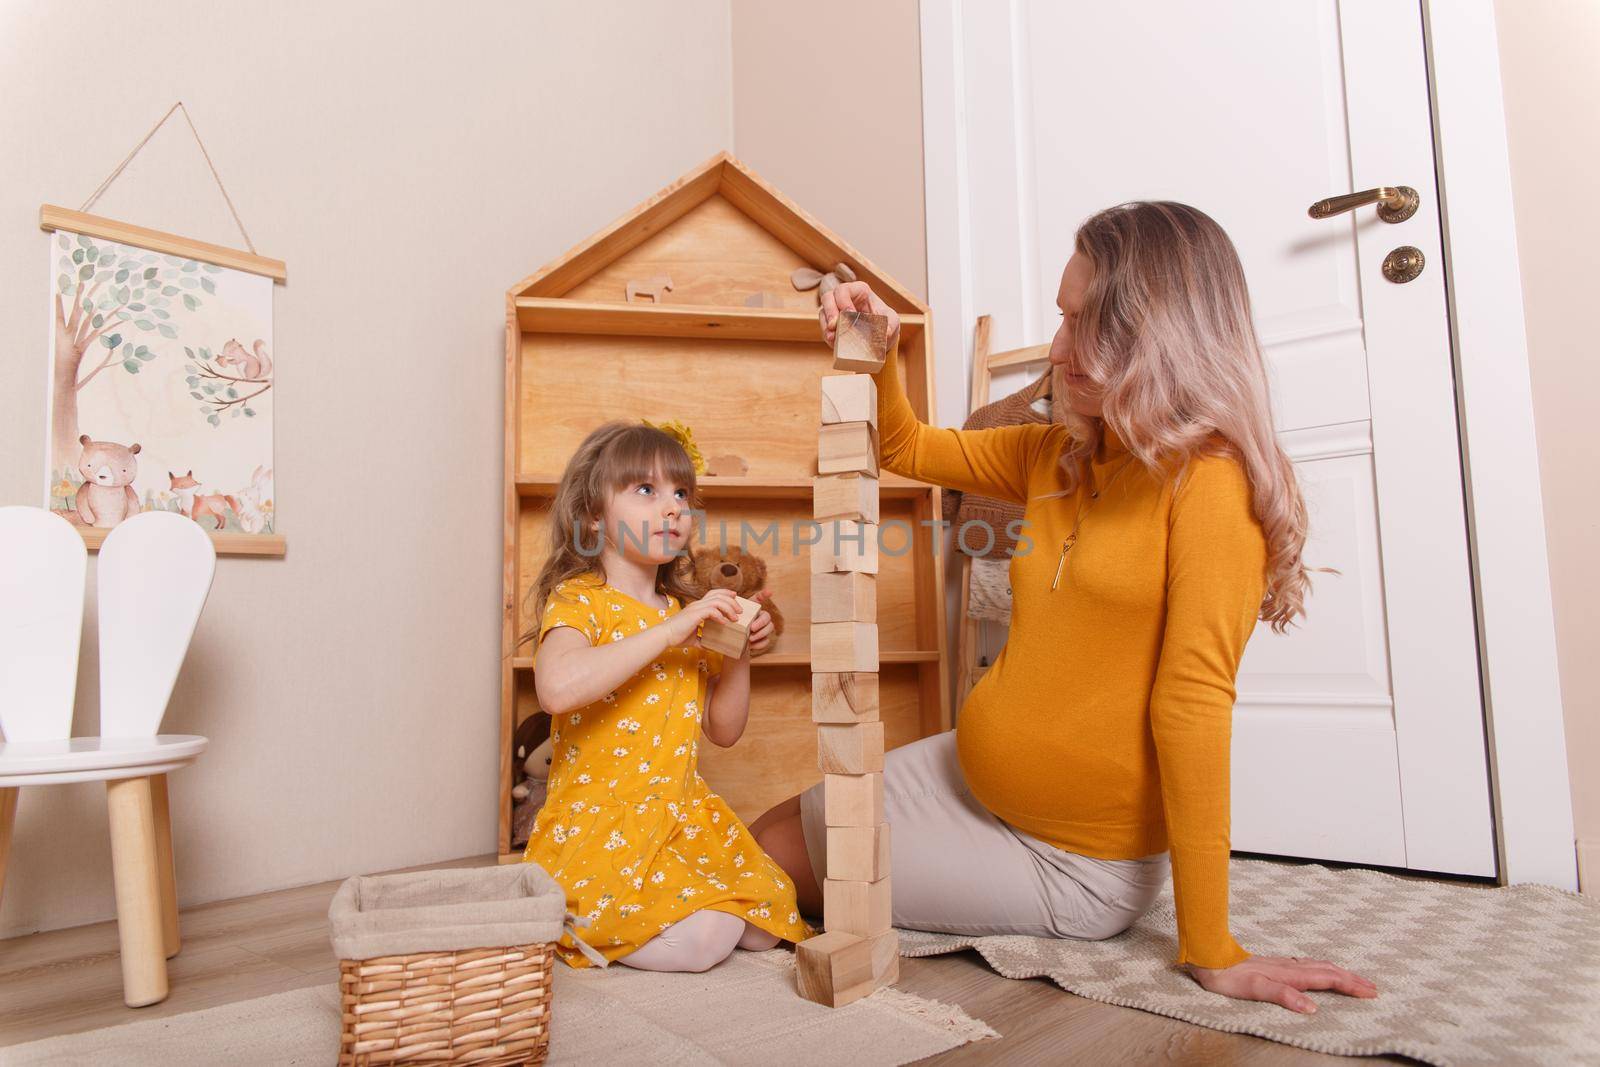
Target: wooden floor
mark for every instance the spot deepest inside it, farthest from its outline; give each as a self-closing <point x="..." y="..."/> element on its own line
<point x="66" y="981"/>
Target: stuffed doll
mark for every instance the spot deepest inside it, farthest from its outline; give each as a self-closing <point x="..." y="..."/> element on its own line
<point x="533" y="749"/>
<point x="735" y="569"/>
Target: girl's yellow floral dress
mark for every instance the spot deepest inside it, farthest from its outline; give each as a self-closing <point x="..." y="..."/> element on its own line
<point x="628" y="827"/>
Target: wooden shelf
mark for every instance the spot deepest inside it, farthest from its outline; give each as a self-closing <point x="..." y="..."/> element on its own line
<point x="547" y="315"/>
<point x="791" y="659"/>
<point x="747" y="379"/>
<point x="890" y="486"/>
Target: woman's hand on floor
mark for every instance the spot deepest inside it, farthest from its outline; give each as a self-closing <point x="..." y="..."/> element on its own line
<point x="857" y="295"/>
<point x="1282" y="980"/>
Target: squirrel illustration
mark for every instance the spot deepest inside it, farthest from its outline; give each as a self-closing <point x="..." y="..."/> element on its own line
<point x="255" y="366"/>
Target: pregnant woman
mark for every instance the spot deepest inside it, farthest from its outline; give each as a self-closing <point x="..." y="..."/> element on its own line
<point x="1162" y="520"/>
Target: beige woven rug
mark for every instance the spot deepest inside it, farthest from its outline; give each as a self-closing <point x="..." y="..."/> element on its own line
<point x="1465" y="974"/>
<point x="742" y="1011"/>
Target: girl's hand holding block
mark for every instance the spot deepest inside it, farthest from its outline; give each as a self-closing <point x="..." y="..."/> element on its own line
<point x="731" y="638"/>
<point x="718" y="607"/>
<point x="761" y="629"/>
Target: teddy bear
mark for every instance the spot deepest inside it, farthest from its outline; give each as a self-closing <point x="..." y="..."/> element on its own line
<point x="736" y="569"/>
<point x="106" y="496"/>
<point x="533" y="750"/>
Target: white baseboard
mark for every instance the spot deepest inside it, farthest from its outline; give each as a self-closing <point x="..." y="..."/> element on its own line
<point x="1589" y="866"/>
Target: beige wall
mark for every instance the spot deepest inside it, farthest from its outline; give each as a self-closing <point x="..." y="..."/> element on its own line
<point x="409" y="164"/>
<point x="1549" y="51"/>
<point x="829" y="109"/>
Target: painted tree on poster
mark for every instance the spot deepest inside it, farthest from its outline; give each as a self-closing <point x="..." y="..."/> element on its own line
<point x="106" y="296"/>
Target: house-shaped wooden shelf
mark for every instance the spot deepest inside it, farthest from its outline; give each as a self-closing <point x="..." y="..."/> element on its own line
<point x="746" y="381"/>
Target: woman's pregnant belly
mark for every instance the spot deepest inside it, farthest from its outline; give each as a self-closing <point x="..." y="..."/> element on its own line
<point x="1062" y="760"/>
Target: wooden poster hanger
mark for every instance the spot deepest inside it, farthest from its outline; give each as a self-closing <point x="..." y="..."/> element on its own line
<point x="53" y="218"/>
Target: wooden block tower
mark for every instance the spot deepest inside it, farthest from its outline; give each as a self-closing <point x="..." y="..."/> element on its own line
<point x="860" y="951"/>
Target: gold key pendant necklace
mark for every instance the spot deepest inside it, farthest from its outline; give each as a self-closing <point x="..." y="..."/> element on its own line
<point x="1072" y="538"/>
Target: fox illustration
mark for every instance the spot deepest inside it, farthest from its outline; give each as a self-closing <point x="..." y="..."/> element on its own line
<point x="198" y="505"/>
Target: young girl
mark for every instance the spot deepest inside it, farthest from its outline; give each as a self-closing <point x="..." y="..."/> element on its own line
<point x="666" y="874"/>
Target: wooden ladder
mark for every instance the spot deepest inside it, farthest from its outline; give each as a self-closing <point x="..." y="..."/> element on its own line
<point x="984" y="366"/>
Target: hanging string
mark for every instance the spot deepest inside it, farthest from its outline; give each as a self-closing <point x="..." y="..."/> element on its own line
<point x="145" y="140"/>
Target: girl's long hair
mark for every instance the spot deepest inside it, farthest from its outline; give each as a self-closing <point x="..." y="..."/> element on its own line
<point x="1166" y="336"/>
<point x="614" y="456"/>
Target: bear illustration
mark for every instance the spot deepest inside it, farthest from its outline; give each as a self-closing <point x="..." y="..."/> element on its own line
<point x="106" y="496"/>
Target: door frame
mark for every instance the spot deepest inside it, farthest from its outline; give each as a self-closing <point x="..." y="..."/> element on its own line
<point x="1530" y="789"/>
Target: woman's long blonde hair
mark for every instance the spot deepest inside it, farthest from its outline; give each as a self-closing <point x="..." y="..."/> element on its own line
<point x="1166" y="335"/>
<point x="614" y="456"/>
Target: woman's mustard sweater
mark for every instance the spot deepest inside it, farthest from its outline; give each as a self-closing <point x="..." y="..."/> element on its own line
<point x="1104" y="725"/>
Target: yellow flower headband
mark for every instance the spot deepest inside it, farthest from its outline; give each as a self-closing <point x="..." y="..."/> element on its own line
<point x="685" y="437"/>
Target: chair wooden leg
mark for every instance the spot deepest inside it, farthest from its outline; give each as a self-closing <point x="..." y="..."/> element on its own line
<point x="138" y="888"/>
<point x="165" y="872"/>
<point x="8" y="817"/>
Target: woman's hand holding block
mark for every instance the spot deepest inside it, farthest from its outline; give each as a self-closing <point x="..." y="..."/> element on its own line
<point x="861" y="341"/>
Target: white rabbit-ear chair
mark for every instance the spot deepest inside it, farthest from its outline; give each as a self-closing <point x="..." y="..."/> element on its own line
<point x="152" y="580"/>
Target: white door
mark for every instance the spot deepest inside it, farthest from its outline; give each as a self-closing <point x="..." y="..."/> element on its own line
<point x="1359" y="736"/>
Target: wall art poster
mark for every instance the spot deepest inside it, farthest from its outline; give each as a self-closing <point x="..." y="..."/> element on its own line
<point x="160" y="387"/>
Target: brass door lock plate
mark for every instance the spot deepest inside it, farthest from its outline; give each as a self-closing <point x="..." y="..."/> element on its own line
<point x="1403" y="264"/>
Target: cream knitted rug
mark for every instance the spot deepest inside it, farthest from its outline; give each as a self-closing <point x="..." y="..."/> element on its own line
<point x="742" y="1011"/>
<point x="1465" y="974"/>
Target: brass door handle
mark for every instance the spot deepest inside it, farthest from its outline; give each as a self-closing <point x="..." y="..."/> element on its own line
<point x="1395" y="203"/>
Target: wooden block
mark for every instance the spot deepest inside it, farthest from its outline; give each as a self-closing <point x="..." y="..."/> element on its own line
<point x="860" y="341"/>
<point x="844" y="646"/>
<point x="845" y="496"/>
<point x="837" y="968"/>
<point x="729" y="638"/>
<point x="844" y="697"/>
<point x="860" y="908"/>
<point x="847" y="448"/>
<point x="845" y="545"/>
<point x="850" y="748"/>
<point x="849" y="398"/>
<point x="763" y="299"/>
<point x="852" y="799"/>
<point x="844" y="596"/>
<point x="858" y="853"/>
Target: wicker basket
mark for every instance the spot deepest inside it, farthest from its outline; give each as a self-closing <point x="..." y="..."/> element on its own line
<point x="447" y="966"/>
